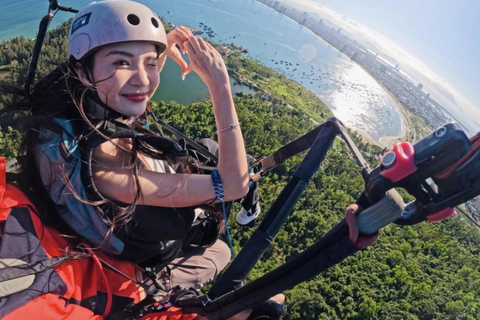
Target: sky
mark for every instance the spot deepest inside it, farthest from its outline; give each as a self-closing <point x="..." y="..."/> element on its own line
<point x="436" y="41"/>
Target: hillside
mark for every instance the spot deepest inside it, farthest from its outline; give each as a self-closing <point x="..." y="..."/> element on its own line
<point x="426" y="271"/>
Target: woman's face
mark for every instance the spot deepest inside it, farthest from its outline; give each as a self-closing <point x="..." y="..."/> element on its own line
<point x="126" y="76"/>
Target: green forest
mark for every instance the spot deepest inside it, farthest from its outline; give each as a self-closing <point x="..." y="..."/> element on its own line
<point x="425" y="271"/>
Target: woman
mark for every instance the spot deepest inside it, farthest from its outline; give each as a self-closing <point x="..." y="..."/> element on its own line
<point x="116" y="52"/>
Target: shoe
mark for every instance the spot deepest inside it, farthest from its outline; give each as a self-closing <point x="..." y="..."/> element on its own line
<point x="244" y="217"/>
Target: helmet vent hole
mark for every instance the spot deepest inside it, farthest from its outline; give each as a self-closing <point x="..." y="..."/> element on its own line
<point x="155" y="23"/>
<point x="133" y="19"/>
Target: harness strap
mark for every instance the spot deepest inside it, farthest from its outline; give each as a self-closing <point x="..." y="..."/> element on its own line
<point x="289" y="150"/>
<point x="351" y="145"/>
<point x="198" y="147"/>
<point x="305" y="142"/>
<point x="24" y="270"/>
<point x="148" y="289"/>
<point x="114" y="129"/>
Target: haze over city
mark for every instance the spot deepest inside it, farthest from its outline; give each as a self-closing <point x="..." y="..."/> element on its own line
<point x="434" y="42"/>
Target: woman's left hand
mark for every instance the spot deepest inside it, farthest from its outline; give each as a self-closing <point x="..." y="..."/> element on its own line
<point x="206" y="61"/>
<point x="359" y="242"/>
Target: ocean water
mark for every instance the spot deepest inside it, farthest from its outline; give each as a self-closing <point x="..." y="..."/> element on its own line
<point x="273" y="39"/>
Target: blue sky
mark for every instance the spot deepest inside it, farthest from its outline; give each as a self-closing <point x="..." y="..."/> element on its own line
<point x="443" y="34"/>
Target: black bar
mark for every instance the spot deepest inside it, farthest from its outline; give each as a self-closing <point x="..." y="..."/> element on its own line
<point x="276" y="216"/>
<point x="333" y="248"/>
<point x="42" y="30"/>
<point x="351" y="145"/>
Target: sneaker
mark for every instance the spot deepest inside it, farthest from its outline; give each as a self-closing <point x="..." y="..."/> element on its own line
<point x="244" y="217"/>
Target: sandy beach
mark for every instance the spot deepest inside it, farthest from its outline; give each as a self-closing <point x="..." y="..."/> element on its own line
<point x="385" y="142"/>
<point x="388" y="142"/>
<point x="391" y="141"/>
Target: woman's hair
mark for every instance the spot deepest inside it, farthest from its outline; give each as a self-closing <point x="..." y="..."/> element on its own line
<point x="61" y="94"/>
<point x="49" y="99"/>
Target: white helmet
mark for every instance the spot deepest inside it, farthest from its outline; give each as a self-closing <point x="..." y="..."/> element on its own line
<point x="112" y="21"/>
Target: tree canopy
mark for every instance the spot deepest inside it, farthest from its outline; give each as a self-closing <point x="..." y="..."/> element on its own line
<point x="425" y="271"/>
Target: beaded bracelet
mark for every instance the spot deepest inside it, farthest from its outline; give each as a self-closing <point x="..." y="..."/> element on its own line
<point x="230" y="127"/>
<point x="218" y="189"/>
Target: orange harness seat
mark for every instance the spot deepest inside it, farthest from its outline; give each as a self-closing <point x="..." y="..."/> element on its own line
<point x="75" y="289"/>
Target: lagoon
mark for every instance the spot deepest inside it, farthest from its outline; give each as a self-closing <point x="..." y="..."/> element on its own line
<point x="192" y="89"/>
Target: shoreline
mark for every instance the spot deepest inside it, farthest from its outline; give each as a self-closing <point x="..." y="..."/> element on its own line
<point x="387" y="141"/>
<point x="366" y="137"/>
<point x="391" y="141"/>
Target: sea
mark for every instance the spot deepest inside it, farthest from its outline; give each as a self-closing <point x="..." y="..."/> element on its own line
<point x="270" y="37"/>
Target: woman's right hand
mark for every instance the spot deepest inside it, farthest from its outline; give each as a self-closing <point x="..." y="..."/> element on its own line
<point x="360" y="242"/>
<point x="207" y="62"/>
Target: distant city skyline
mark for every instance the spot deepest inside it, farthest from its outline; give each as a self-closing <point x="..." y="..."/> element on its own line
<point x="434" y="41"/>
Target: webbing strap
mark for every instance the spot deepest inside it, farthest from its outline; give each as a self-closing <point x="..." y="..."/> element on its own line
<point x="304" y="142"/>
<point x="23" y="270"/>
<point x="351" y="145"/>
<point x="148" y="289"/>
<point x="198" y="147"/>
<point x="289" y="150"/>
<point x="114" y="129"/>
